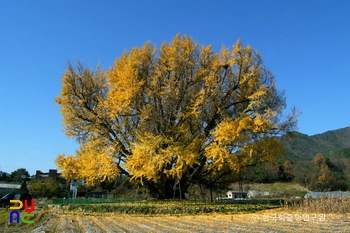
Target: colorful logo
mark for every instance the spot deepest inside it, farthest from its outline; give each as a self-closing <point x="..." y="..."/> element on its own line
<point x="23" y="217"/>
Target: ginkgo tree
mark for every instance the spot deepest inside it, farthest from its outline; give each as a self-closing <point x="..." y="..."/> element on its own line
<point x="172" y="116"/>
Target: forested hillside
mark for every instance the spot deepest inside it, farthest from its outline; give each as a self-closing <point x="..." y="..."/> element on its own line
<point x="320" y="162"/>
<point x="306" y="147"/>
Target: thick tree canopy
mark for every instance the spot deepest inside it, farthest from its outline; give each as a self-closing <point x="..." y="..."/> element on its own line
<point x="172" y="116"/>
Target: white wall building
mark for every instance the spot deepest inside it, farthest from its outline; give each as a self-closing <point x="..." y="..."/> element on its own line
<point x="236" y="195"/>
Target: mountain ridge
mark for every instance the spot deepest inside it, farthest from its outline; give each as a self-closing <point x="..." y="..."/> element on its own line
<point x="303" y="146"/>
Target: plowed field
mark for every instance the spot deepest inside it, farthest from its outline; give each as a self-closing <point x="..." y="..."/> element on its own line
<point x="257" y="222"/>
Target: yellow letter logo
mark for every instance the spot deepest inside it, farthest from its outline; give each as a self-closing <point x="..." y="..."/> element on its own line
<point x="16" y="207"/>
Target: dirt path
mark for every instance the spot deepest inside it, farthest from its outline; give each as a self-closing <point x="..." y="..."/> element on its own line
<point x="258" y="222"/>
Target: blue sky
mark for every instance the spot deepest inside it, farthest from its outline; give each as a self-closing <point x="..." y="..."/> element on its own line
<point x="305" y="44"/>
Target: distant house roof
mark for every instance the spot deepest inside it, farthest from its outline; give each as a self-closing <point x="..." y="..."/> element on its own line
<point x="44" y="175"/>
<point x="234" y="191"/>
<point x="333" y="194"/>
<point x="10" y="185"/>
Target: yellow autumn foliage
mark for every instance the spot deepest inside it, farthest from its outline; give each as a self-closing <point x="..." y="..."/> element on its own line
<point x="172" y="115"/>
<point x="92" y="163"/>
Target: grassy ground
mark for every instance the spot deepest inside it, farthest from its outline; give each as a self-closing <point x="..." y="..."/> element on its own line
<point x="172" y="207"/>
<point x="5" y="226"/>
<point x="4" y="217"/>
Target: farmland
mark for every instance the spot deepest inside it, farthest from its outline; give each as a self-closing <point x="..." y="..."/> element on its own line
<point x="98" y="215"/>
<point x="200" y="223"/>
<point x="78" y="219"/>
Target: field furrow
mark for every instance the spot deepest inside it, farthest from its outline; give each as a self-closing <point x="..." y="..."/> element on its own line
<point x="50" y="225"/>
<point x="68" y="225"/>
<point x="166" y="226"/>
<point x="184" y="224"/>
<point x="138" y="223"/>
<point x="107" y="225"/>
<point x="124" y="224"/>
<point x="88" y="226"/>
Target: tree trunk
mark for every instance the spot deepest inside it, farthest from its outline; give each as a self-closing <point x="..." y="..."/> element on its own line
<point x="167" y="189"/>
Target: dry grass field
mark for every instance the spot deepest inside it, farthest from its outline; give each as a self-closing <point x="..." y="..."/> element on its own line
<point x="308" y="215"/>
<point x="276" y="220"/>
